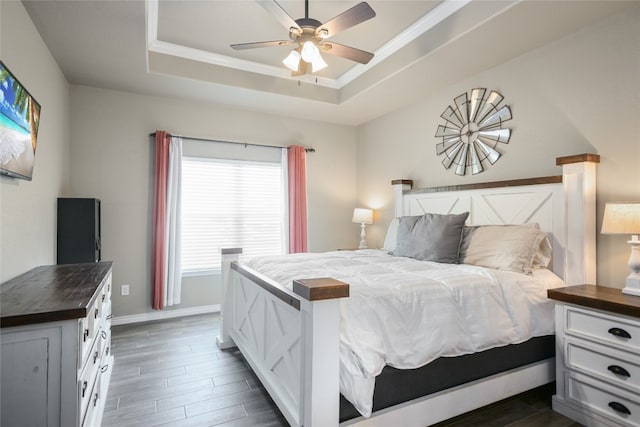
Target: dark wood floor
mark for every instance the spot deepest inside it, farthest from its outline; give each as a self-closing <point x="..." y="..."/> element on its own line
<point x="530" y="409"/>
<point x="171" y="373"/>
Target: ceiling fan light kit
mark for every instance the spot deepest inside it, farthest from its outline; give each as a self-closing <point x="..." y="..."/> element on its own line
<point x="310" y="34"/>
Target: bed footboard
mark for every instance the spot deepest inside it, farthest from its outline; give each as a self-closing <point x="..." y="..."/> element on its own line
<point x="290" y="338"/>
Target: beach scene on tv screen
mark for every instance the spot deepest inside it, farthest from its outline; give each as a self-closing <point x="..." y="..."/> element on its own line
<point x="19" y="117"/>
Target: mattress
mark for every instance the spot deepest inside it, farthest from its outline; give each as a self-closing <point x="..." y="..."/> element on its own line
<point x="395" y="386"/>
<point x="406" y="313"/>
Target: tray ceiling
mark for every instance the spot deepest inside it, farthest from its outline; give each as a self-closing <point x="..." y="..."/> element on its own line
<point x="181" y="49"/>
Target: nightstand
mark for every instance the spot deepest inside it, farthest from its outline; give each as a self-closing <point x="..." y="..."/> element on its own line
<point x="597" y="355"/>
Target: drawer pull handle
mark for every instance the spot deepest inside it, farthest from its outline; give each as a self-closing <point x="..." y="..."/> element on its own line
<point x="103" y="297"/>
<point x="95" y="314"/>
<point x="109" y="317"/>
<point x="105" y="368"/>
<point x="620" y="333"/>
<point x="104" y="334"/>
<point x="107" y="352"/>
<point x="95" y="357"/>
<point x="95" y="400"/>
<point x="619" y="370"/>
<point x="619" y="407"/>
<point x="85" y="335"/>
<point x="84" y="387"/>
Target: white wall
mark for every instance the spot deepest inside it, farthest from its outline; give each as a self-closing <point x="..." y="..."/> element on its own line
<point x="577" y="95"/>
<point x="111" y="155"/>
<point x="28" y="208"/>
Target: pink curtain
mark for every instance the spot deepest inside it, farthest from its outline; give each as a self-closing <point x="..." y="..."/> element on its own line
<point x="297" y="172"/>
<point x="158" y="248"/>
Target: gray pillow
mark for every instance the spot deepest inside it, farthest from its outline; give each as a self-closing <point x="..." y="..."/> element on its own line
<point x="430" y="237"/>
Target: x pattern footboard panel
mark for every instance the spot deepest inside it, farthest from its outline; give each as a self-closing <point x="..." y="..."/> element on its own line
<point x="267" y="330"/>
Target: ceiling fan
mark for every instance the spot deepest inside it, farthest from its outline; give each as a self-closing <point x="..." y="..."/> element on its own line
<point x="310" y="36"/>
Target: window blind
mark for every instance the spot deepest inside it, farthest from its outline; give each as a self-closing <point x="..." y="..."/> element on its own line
<point x="229" y="204"/>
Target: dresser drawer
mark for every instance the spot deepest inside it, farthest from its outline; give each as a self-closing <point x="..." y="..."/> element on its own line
<point x="619" y="368"/>
<point x="105" y="296"/>
<point x="105" y="346"/>
<point x="93" y="361"/>
<point x="86" y="339"/>
<point x="622" y="332"/>
<point x="106" y="313"/>
<point x="96" y="312"/>
<point x="617" y="405"/>
<point x="107" y="285"/>
<point x="93" y="405"/>
<point x="86" y="383"/>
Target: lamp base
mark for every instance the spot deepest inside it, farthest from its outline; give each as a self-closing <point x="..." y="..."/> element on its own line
<point x="633" y="286"/>
<point x="363" y="237"/>
<point x="633" y="279"/>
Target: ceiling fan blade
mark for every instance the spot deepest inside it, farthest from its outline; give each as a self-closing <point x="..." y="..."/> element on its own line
<point x="347" y="52"/>
<point x="254" y="45"/>
<point x="347" y="19"/>
<point x="281" y="15"/>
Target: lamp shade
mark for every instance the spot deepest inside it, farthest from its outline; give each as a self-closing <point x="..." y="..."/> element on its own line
<point x="362" y="216"/>
<point x="621" y="218"/>
<point x="292" y="61"/>
<point x="309" y="51"/>
<point x="318" y="64"/>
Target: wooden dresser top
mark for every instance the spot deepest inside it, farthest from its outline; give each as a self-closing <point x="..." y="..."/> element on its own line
<point x="51" y="293"/>
<point x="599" y="297"/>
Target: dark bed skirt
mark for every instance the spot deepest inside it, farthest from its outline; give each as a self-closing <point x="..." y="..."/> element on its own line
<point x="395" y="386"/>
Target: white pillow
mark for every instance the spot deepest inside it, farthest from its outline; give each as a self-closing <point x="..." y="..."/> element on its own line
<point x="503" y="247"/>
<point x="543" y="256"/>
<point x="392" y="236"/>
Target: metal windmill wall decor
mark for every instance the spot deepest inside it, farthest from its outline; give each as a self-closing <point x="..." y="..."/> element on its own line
<point x="473" y="129"/>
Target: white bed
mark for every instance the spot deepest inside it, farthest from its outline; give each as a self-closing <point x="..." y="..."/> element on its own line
<point x="449" y="310"/>
<point x="297" y="338"/>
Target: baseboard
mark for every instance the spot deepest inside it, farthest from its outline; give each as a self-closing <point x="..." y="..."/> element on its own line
<point x="165" y="314"/>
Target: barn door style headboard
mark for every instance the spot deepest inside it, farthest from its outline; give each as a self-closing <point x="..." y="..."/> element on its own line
<point x="562" y="205"/>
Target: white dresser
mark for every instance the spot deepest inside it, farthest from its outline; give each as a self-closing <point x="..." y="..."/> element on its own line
<point x="55" y="338"/>
<point x="597" y="355"/>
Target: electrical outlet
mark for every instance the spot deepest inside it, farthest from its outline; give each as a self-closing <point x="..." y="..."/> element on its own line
<point x="124" y="290"/>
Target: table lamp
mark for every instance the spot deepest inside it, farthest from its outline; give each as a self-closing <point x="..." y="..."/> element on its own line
<point x="624" y="218"/>
<point x="362" y="216"/>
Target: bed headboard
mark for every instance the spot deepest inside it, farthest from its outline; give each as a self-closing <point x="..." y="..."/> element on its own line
<point x="563" y="206"/>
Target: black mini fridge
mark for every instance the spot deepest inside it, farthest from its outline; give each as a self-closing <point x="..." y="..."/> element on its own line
<point x="78" y="230"/>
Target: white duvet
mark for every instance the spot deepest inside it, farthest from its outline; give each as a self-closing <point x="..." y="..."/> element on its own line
<point x="405" y="313"/>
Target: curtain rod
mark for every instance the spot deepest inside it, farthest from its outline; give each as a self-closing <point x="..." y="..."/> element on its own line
<point x="308" y="150"/>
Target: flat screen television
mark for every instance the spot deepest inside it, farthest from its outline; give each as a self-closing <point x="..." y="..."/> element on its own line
<point x="19" y="120"/>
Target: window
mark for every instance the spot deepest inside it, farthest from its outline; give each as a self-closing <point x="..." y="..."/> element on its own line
<point x="229" y="204"/>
